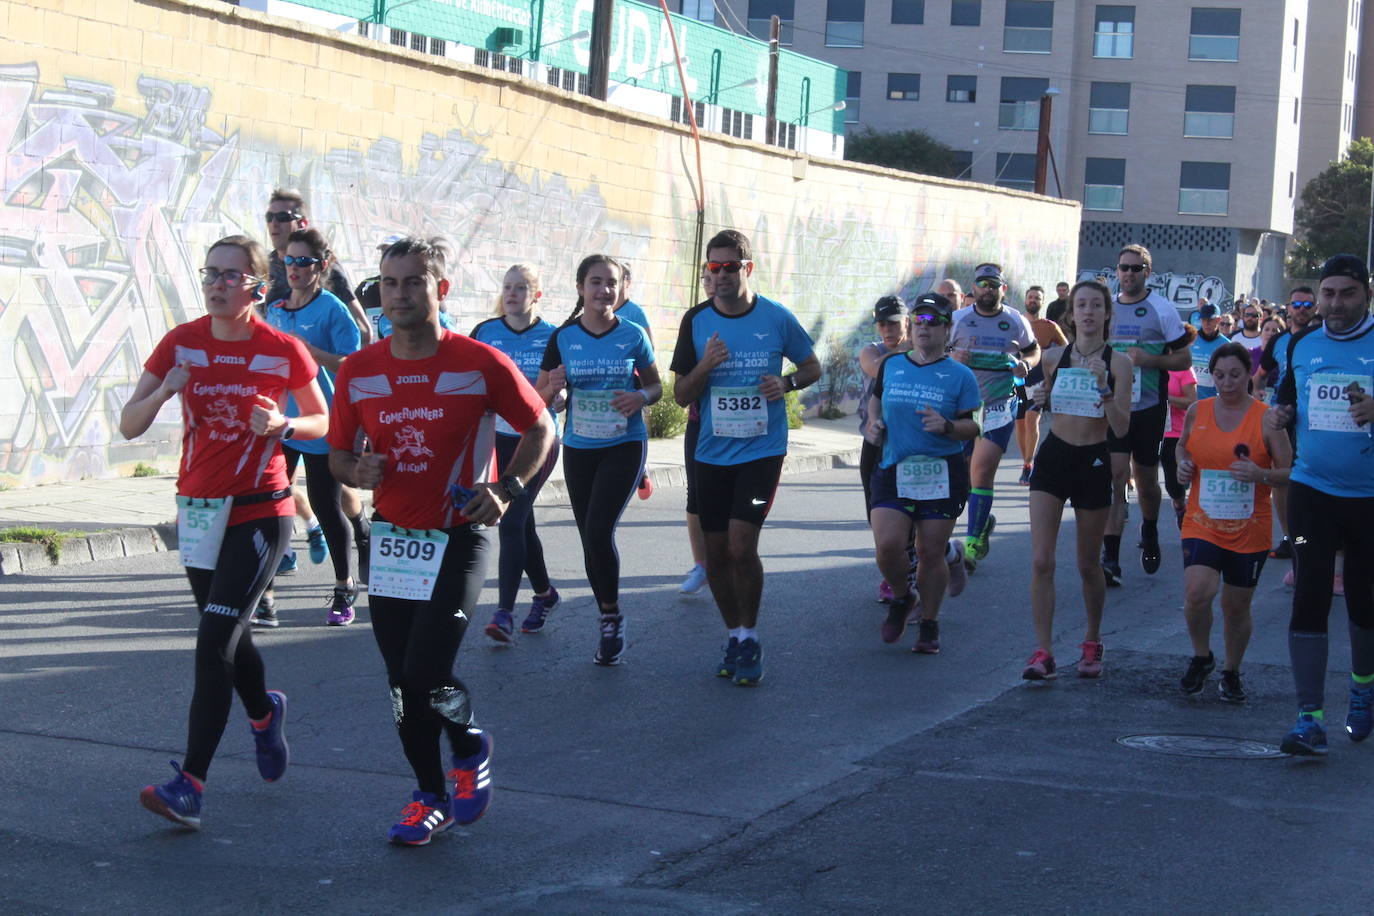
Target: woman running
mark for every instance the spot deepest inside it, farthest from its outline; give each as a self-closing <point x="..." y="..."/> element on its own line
<point x="1232" y="459"/>
<point x="234" y="513"/>
<point x="890" y="322"/>
<point x="595" y="355"/>
<point x="519" y="332"/>
<point x="923" y="403"/>
<point x="695" y="580"/>
<point x="1087" y="387"/>
<point x="321" y="321"/>
<point x="1182" y="395"/>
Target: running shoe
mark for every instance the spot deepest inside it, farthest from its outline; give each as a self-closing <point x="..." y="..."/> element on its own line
<point x="730" y="663"/>
<point x="472" y="782"/>
<point x="1229" y="687"/>
<point x="1024" y="479"/>
<point x="341" y="602"/>
<point x="894" y="625"/>
<point x="1283" y="550"/>
<point x="749" y="663"/>
<point x="1149" y="555"/>
<point x="540" y="608"/>
<point x="646" y="487"/>
<point x="425" y="816"/>
<point x="612" y="645"/>
<point x="958" y="575"/>
<point x="270" y="742"/>
<point x="1195" y="678"/>
<point x="695" y="580"/>
<point x="265" y="615"/>
<point x="928" y="638"/>
<point x="1338" y="586"/>
<point x="287" y="564"/>
<point x="1112" y="573"/>
<point x="178" y="800"/>
<point x="1040" y="667"/>
<point x="319" y="550"/>
<point x="1307" y="739"/>
<point x="1288" y="577"/>
<point x="884" y="592"/>
<point x="502" y="627"/>
<point x="1090" y="663"/>
<point x="1359" y="721"/>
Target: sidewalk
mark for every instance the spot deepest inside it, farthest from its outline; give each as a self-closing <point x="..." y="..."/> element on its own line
<point x="131" y="516"/>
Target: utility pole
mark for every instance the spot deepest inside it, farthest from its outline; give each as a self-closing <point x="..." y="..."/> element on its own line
<point x="771" y="112"/>
<point x="1042" y="145"/>
<point x="599" y="68"/>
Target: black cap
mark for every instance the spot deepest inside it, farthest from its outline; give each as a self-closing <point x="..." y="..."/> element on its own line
<point x="1346" y="265"/>
<point x="889" y="308"/>
<point x="932" y="302"/>
<point x="1209" y="310"/>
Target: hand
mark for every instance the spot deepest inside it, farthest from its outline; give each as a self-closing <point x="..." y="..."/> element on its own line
<point x="628" y="403"/>
<point x="876" y="429"/>
<point x="369" y="469"/>
<point x="177" y="378"/>
<point x="931" y="420"/>
<point x="962" y="356"/>
<point x="1186" y="470"/>
<point x="770" y="386"/>
<point x="1361" y="405"/>
<point x="716" y="352"/>
<point x="487" y="505"/>
<point x="1039" y="394"/>
<point x="1278" y="418"/>
<point x="266" y="419"/>
<point x="1098" y="367"/>
<point x="1246" y="470"/>
<point x="558" y="378"/>
<point x="1137" y="356"/>
<point x="558" y="403"/>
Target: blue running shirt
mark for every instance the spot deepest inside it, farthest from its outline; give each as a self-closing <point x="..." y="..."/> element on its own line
<point x="738" y="424"/>
<point x="525" y="349"/>
<point x="631" y="311"/>
<point x="597" y="368"/>
<point x="1334" y="455"/>
<point x="326" y="323"/>
<point x="1202" y="355"/>
<point x="904" y="388"/>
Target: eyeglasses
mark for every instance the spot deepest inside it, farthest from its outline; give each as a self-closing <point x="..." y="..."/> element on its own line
<point x="210" y="276"/>
<point x="1130" y="268"/>
<point x="987" y="283"/>
<point x="1301" y="304"/>
<point x="926" y="318"/>
<point x="291" y="260"/>
<point x="284" y="216"/>
<point x="730" y="267"/>
<point x="1251" y="315"/>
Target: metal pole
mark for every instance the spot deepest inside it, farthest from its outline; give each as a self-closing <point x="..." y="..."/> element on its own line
<point x="774" y="33"/>
<point x="1042" y="145"/>
<point x="1369" y="242"/>
<point x="599" y="67"/>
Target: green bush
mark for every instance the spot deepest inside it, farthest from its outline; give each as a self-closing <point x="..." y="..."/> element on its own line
<point x="664" y="418"/>
<point x="794" y="409"/>
<point x="146" y="470"/>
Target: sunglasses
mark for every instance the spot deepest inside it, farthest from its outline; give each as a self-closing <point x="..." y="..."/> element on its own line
<point x="1301" y="304"/>
<point x="1130" y="268"/>
<point x="730" y="267"/>
<point x="1251" y="314"/>
<point x="927" y="318"/>
<point x="988" y="283"/>
<point x="284" y="216"/>
<point x="210" y="276"/>
<point x="291" y="260"/>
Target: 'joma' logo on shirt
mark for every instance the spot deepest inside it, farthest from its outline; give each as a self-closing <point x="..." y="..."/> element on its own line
<point x="235" y="360"/>
<point x="412" y="379"/>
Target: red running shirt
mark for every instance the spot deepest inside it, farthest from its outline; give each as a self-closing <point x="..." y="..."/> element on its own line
<point x="432" y="419"/>
<point x="220" y="456"/>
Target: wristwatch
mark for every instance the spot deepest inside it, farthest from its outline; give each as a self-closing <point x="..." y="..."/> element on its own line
<point x="513" y="487"/>
<point x="288" y="432"/>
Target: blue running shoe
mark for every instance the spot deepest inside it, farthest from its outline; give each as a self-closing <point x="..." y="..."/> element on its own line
<point x="612" y="644"/>
<point x="319" y="550"/>
<point x="540" y="608"/>
<point x="425" y="816"/>
<point x="1307" y="739"/>
<point x="1359" y="721"/>
<point x="502" y="627"/>
<point x="273" y="754"/>
<point x="177" y="800"/>
<point x="730" y="663"/>
<point x="472" y="782"/>
<point x="749" y="666"/>
<point x="287" y="564"/>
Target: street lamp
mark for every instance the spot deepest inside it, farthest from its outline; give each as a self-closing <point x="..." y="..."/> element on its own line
<point x="841" y="105"/>
<point x="639" y="76"/>
<point x="752" y="81"/>
<point x="380" y="16"/>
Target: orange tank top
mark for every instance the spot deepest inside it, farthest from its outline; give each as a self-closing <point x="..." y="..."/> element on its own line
<point x="1230" y="514"/>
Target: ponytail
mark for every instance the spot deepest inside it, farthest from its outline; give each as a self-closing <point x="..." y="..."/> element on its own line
<point x="577" y="310"/>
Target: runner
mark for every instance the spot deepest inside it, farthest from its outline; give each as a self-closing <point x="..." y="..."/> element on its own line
<point x="1264" y="381"/>
<point x="1234" y="460"/>
<point x="1302" y="312"/>
<point x="923" y="404"/>
<point x="1182" y="395"/>
<point x="233" y="517"/>
<point x="997" y="343"/>
<point x="1209" y="340"/>
<point x="890" y="323"/>
<point x="285" y="215"/>
<point x="1087" y="390"/>
<point x="595" y="356"/>
<point x="728" y="360"/>
<point x="1047" y="334"/>
<point x="318" y="319"/>
<point x="412" y="423"/>
<point x="695" y="580"/>
<point x="1327" y="390"/>
<point x="1146" y="327"/>
<point x="522" y="334"/>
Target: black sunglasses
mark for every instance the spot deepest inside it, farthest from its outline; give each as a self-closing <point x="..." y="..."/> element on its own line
<point x="284" y="216"/>
<point x="1130" y="268"/>
<point x="292" y="260"/>
<point x="730" y="267"/>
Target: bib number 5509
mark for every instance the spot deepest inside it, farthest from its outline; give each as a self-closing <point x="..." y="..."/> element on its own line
<point x="405" y="549"/>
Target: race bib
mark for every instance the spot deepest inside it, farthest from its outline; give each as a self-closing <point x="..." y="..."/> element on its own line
<point x="405" y="563"/>
<point x="921" y="478"/>
<point x="1327" y="406"/>
<point x="200" y="529"/>
<point x="1137" y="391"/>
<point x="1204" y="376"/>
<point x="1224" y="497"/>
<point x="998" y="414"/>
<point x="374" y="317"/>
<point x="1075" y="394"/>
<point x="738" y="413"/>
<point x="593" y="417"/>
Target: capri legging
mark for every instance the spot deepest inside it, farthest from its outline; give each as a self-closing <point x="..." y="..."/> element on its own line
<point x="1168" y="460"/>
<point x="325" y="494"/>
<point x="1321" y="524"/>
<point x="227" y="662"/>
<point x="868" y="462"/>
<point x="522" y="553"/>
<point x="601" y="482"/>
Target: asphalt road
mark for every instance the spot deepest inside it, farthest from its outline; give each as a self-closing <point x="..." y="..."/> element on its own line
<point x="858" y="778"/>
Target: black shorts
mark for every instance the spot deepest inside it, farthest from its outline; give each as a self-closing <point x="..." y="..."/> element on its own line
<point x="884" y="488"/>
<point x="1239" y="570"/>
<point x="1143" y="438"/>
<point x="1080" y="474"/>
<point x="730" y="492"/>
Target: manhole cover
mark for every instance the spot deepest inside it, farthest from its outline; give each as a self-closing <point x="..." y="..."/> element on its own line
<point x="1202" y="746"/>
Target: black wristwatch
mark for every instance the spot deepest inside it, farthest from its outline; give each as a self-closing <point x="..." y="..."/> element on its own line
<point x="513" y="487"/>
<point x="288" y="432"/>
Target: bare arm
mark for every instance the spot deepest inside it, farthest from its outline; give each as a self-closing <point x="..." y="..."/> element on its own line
<point x="627" y="402"/>
<point x="1182" y="457"/>
<point x="1187" y="399"/>
<point x="870" y="358"/>
<point x="1118" y="409"/>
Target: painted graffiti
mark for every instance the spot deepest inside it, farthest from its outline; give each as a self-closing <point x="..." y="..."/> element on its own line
<point x="1183" y="290"/>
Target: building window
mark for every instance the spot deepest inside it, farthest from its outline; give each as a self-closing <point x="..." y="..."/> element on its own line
<point x="1295" y="109"/>
<point x="737" y="124"/>
<point x="1215" y="34"/>
<point x="1109" y="108"/>
<point x="904" y="87"/>
<point x="786" y="136"/>
<point x="908" y="12"/>
<point x="966" y="12"/>
<point x="1204" y="188"/>
<point x="573" y="81"/>
<point x="1210" y="111"/>
<point x="1290" y="184"/>
<point x="961" y="89"/>
<point x="853" y="85"/>
<point x="1016" y="170"/>
<point x="418" y="43"/>
<point x="1296" y="25"/>
<point x="678" y="111"/>
<point x="1115" y="34"/>
<point x="963" y="159"/>
<point x="438" y="47"/>
<point x="700" y="10"/>
<point x="1020" y="106"/>
<point x="761" y="13"/>
<point x="399" y="38"/>
<point x="844" y="23"/>
<point x="1029" y="27"/>
<point x="1104" y="184"/>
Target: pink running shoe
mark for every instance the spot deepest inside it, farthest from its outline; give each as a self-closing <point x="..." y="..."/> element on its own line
<point x="1040" y="667"/>
<point x="1288" y="577"/>
<point x="1090" y="665"/>
<point x="884" y="592"/>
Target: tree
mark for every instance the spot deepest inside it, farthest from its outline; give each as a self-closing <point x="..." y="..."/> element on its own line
<point x="909" y="150"/>
<point x="1333" y="212"/>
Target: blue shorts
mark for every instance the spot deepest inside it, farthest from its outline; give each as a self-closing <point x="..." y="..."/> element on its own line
<point x="884" y="488"/>
<point x="1239" y="570"/>
<point x="1000" y="437"/>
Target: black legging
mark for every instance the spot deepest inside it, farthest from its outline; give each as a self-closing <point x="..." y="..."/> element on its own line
<point x="227" y="662"/>
<point x="601" y="482"/>
<point x="521" y="550"/>
<point x="419" y="642"/>
<point x="868" y="460"/>
<point x="325" y="494"/>
<point x="1321" y="524"/>
<point x="1168" y="460"/>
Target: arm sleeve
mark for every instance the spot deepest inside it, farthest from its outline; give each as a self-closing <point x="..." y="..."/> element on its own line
<point x="343" y="421"/>
<point x="797" y="344"/>
<point x="1267" y="361"/>
<point x="552" y="356"/>
<point x="644" y="354"/>
<point x="344" y="336"/>
<point x="513" y="397"/>
<point x="878" y="379"/>
<point x="1288" y="387"/>
<point x="970" y="395"/>
<point x="303" y="365"/>
<point x="685" y="352"/>
<point x="163" y="357"/>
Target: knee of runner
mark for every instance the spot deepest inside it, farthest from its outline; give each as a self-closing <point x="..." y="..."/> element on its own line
<point x="451" y="703"/>
<point x="1043" y="567"/>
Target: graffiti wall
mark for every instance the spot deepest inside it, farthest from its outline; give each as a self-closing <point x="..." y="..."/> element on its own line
<point x="1183" y="290"/>
<point x="122" y="162"/>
